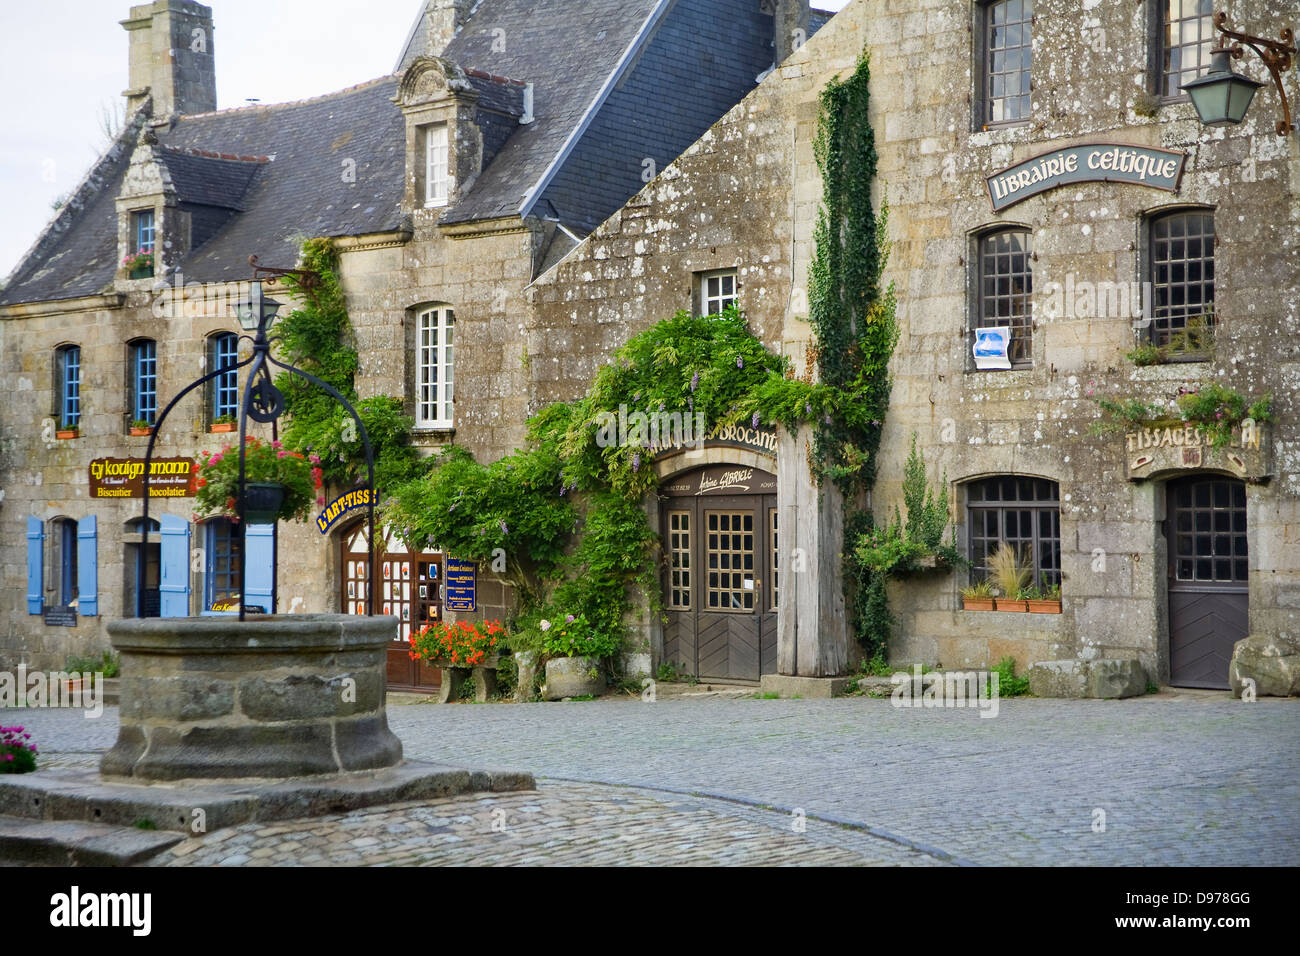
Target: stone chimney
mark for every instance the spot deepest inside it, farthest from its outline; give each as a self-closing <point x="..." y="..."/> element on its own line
<point x="438" y="23"/>
<point x="171" y="57"/>
<point x="790" y="30"/>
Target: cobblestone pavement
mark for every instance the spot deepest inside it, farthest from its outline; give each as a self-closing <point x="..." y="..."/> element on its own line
<point x="1182" y="778"/>
<point x="565" y="824"/>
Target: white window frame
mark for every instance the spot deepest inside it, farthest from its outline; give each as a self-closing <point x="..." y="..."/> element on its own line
<point x="711" y="304"/>
<point x="437" y="165"/>
<point x="435" y="367"/>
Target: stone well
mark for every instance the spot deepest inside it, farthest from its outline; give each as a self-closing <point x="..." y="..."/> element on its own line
<point x="273" y="697"/>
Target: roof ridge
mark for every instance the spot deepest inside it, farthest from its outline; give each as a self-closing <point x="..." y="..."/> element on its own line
<point x="302" y="102"/>
<point x="209" y="154"/>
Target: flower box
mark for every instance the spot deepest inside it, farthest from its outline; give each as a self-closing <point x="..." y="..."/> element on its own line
<point x="142" y="272"/>
<point x="221" y="428"/>
<point x="65" y="433"/>
<point x="140" y="431"/>
<point x="977" y="604"/>
<point x="1045" y="606"/>
<point x="1012" y="604"/>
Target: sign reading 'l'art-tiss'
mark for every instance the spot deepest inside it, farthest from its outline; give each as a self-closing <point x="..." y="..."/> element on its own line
<point x="1095" y="162"/>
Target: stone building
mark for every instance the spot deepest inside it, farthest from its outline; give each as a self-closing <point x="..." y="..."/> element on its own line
<point x="508" y="131"/>
<point x="1054" y="205"/>
<point x="1167" y="551"/>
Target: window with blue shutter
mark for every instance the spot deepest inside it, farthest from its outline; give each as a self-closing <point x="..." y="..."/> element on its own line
<point x="223" y="353"/>
<point x="174" y="584"/>
<point x="67" y="385"/>
<point x="144" y="381"/>
<point x="224" y="547"/>
<point x="144" y="230"/>
<point x="259" y="554"/>
<point x="35" y="565"/>
<point x="65" y="559"/>
<point x="87" y="566"/>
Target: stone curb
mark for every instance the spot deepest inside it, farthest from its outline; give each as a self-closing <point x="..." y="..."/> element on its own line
<point x="71" y="843"/>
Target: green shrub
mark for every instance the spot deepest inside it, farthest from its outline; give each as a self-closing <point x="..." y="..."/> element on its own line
<point x="1009" y="685"/>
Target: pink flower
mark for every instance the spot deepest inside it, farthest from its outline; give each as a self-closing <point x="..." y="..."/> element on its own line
<point x="314" y="458"/>
<point x="320" y="500"/>
<point x="277" y="444"/>
<point x="281" y="454"/>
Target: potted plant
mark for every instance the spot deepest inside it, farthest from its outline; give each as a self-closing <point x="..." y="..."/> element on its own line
<point x="1045" y="599"/>
<point x="141" y="427"/>
<point x="222" y="424"/>
<point x="17" y="755"/>
<point x="574" y="649"/>
<point x="463" y="644"/>
<point x="977" y="597"/>
<point x="1010" y="576"/>
<point x="139" y="265"/>
<point x="67" y="430"/>
<point x="278" y="484"/>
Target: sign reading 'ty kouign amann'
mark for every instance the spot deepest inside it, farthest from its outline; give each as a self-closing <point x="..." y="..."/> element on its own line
<point x="1093" y="162"/>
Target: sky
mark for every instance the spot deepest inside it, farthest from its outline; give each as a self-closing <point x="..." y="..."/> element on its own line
<point x="70" y="58"/>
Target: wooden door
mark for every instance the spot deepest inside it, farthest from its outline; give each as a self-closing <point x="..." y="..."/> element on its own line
<point x="720" y="574"/>
<point x="409" y="588"/>
<point x="1208" y="578"/>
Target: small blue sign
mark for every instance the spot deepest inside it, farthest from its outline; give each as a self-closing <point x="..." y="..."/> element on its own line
<point x="458" y="586"/>
<point x="991" y="347"/>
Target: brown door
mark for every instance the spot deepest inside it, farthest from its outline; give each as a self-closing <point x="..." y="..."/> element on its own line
<point x="410" y="589"/>
<point x="1208" y="578"/>
<point x="719" y="586"/>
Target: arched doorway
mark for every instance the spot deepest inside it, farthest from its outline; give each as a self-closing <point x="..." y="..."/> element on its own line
<point x="719" y="526"/>
<point x="1209" y="567"/>
<point x="410" y="589"/>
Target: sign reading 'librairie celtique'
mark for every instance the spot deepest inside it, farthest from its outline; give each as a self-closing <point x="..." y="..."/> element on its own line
<point x="124" y="478"/>
<point x="1095" y="162"/>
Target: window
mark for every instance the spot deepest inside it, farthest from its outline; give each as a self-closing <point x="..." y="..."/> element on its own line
<point x="142" y="229"/>
<point x="63" y="560"/>
<point x="434" y="368"/>
<point x="771" y="514"/>
<point x="679" y="550"/>
<point x="1182" y="281"/>
<point x="1023" y="512"/>
<point x="224" y="553"/>
<point x="223" y="353"/>
<point x="1007" y="57"/>
<point x="437" y="174"/>
<point x="729" y="560"/>
<point x="1004" y="288"/>
<point x="1185" y="35"/>
<point x="67" y="385"/>
<point x="144" y="381"/>
<point x="1209" y="545"/>
<point x="717" y="291"/>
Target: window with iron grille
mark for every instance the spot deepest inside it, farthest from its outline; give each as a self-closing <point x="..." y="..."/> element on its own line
<point x="223" y="355"/>
<point x="1004" y="287"/>
<point x="1007" y="58"/>
<point x="144" y="381"/>
<point x="1023" y="512"/>
<point x="224" y="555"/>
<point x="1185" y="36"/>
<point x="1210" y="545"/>
<point x="435" y="368"/>
<point x="717" y="291"/>
<point x="1182" y="280"/>
<point x="67" y="385"/>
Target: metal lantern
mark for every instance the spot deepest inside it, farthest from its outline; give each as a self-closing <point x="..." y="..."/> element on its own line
<point x="1221" y="97"/>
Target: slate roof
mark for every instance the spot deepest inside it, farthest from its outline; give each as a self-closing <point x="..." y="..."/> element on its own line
<point x="211" y="179"/>
<point x="568" y="51"/>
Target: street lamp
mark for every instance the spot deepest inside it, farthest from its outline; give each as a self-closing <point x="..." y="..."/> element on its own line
<point x="255" y="311"/>
<point x="1221" y="97"/>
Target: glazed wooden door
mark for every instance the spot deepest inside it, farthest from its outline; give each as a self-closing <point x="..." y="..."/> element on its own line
<point x="1208" y="578"/>
<point x="719" y="578"/>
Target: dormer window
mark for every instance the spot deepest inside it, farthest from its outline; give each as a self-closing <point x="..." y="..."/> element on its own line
<point x="437" y="173"/>
<point x="142" y="228"/>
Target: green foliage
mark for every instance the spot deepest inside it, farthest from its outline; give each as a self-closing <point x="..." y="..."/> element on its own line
<point x="144" y="823"/>
<point x="1152" y="687"/>
<point x="1145" y="355"/>
<point x="876" y="666"/>
<point x="981" y="590"/>
<point x="1008" y="570"/>
<point x="1214" y="409"/>
<point x="108" y="664"/>
<point x="1009" y="685"/>
<point x="17" y="752"/>
<point x="216" y="479"/>
<point x="317" y="338"/>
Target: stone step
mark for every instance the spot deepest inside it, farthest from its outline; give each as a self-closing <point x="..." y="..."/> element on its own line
<point x="74" y="843"/>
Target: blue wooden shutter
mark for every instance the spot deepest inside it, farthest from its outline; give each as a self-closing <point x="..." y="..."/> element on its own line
<point x="87" y="569"/>
<point x="174" y="585"/>
<point x="259" y="570"/>
<point x="35" y="565"/>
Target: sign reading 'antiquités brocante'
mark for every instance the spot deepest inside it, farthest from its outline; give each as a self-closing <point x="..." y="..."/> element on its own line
<point x="1095" y="162"/>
